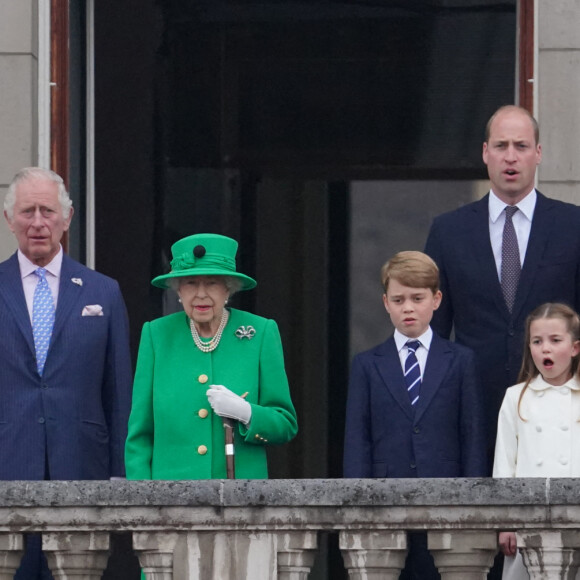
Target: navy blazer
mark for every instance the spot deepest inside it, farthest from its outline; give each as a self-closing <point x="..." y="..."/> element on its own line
<point x="76" y="414"/>
<point x="442" y="436"/>
<point x="473" y="302"/>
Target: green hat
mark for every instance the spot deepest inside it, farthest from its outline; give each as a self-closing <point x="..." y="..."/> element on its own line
<point x="204" y="255"/>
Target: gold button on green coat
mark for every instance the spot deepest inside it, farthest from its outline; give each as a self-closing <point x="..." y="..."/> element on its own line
<point x="164" y="428"/>
<point x="203" y="413"/>
<point x="202" y="379"/>
<point x="202" y="449"/>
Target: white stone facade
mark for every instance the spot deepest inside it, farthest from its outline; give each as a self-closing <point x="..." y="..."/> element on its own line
<point x="557" y="96"/>
<point x="18" y="96"/>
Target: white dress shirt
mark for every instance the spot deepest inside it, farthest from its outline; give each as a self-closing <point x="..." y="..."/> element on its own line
<point x="30" y="279"/>
<point x="422" y="352"/>
<point x="522" y="221"/>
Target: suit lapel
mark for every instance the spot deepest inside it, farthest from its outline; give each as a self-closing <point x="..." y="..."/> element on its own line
<point x="438" y="362"/>
<point x="69" y="294"/>
<point x="542" y="225"/>
<point x="483" y="252"/>
<point x="13" y="294"/>
<point x="388" y="365"/>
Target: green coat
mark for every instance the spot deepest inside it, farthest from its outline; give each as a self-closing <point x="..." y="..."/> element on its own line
<point x="173" y="432"/>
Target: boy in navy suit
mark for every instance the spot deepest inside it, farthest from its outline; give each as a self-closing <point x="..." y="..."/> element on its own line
<point x="414" y="404"/>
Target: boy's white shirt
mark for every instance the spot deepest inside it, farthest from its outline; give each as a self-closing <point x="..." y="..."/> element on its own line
<point x="547" y="442"/>
<point x="422" y="352"/>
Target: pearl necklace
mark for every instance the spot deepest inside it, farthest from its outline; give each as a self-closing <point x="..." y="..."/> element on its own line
<point x="213" y="343"/>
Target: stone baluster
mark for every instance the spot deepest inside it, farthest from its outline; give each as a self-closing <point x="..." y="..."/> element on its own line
<point x="370" y="555"/>
<point x="11" y="550"/>
<point x="296" y="553"/>
<point x="550" y="553"/>
<point x="155" y="553"/>
<point x="463" y="554"/>
<point x="76" y="554"/>
<point x="225" y="555"/>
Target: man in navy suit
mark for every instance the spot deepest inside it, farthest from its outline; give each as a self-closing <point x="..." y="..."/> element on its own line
<point x="467" y="245"/>
<point x="63" y="414"/>
<point x="414" y="404"/>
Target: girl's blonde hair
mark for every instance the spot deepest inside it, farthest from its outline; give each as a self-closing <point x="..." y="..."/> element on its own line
<point x="529" y="370"/>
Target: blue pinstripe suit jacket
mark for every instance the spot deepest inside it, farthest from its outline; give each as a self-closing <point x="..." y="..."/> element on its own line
<point x="73" y="419"/>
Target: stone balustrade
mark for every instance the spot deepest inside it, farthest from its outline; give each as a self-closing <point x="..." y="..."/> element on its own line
<point x="263" y="530"/>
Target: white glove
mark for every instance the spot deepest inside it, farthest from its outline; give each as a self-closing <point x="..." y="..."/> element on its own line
<point x="225" y="403"/>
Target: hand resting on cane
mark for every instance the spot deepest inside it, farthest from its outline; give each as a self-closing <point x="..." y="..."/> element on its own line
<point x="226" y="403"/>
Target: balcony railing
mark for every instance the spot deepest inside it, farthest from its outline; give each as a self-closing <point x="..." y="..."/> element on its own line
<point x="263" y="530"/>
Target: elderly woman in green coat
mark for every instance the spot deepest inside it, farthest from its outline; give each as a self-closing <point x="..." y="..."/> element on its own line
<point x="202" y="365"/>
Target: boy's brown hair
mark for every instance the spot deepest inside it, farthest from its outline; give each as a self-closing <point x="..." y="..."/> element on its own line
<point x="413" y="269"/>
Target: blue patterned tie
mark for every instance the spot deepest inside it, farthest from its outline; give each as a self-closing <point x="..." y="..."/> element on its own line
<point x="42" y="318"/>
<point x="510" y="259"/>
<point x="413" y="371"/>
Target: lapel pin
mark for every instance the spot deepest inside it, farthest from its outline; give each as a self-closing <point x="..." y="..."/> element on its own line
<point x="77" y="281"/>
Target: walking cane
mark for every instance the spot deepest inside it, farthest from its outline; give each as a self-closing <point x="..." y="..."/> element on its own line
<point x="229" y="438"/>
<point x="230" y="458"/>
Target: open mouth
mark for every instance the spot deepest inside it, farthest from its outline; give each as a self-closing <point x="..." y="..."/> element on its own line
<point x="548" y="363"/>
<point x="511" y="172"/>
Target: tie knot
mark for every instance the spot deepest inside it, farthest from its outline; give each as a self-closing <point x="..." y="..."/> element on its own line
<point x="413" y="345"/>
<point x="510" y="210"/>
<point x="40" y="272"/>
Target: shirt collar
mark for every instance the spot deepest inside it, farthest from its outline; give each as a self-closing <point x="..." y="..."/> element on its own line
<point x="526" y="205"/>
<point x="539" y="384"/>
<point x="425" y="339"/>
<point x="27" y="267"/>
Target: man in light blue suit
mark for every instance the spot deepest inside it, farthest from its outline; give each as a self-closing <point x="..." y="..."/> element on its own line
<point x="63" y="409"/>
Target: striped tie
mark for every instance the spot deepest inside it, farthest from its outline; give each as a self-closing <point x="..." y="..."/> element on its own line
<point x="412" y="371"/>
<point x="42" y="318"/>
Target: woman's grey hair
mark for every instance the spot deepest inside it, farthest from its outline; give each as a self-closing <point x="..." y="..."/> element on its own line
<point x="37" y="173"/>
<point x="232" y="283"/>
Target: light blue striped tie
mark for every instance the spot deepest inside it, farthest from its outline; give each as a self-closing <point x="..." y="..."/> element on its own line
<point x="42" y="318"/>
<point x="413" y="371"/>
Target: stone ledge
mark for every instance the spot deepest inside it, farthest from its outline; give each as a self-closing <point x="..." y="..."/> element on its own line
<point x="294" y="492"/>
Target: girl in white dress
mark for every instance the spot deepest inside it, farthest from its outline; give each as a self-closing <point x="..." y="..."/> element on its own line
<point x="538" y="432"/>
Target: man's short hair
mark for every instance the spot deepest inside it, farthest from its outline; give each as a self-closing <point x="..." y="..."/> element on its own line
<point x="37" y="173"/>
<point x="506" y="108"/>
<point x="413" y="269"/>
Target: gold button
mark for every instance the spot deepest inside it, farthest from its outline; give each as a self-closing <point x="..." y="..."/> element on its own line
<point x="202" y="379"/>
<point x="202" y="449"/>
<point x="256" y="436"/>
<point x="202" y="413"/>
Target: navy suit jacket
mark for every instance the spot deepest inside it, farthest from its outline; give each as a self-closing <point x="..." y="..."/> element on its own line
<point x="442" y="436"/>
<point x="473" y="302"/>
<point x="74" y="416"/>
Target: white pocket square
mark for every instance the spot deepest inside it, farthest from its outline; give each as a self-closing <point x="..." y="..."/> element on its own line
<point x="93" y="310"/>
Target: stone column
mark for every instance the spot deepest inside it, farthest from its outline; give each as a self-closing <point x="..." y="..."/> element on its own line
<point x="558" y="94"/>
<point x="226" y="555"/>
<point x="373" y="555"/>
<point x="463" y="554"/>
<point x="296" y="553"/>
<point x="76" y="554"/>
<point x="11" y="550"/>
<point x="550" y="553"/>
<point x="155" y="553"/>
